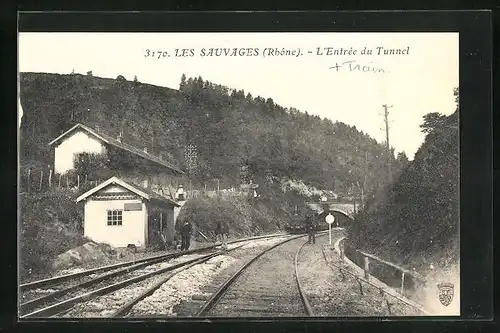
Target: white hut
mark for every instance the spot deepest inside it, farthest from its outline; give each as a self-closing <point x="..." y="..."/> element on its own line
<point x="119" y="213"/>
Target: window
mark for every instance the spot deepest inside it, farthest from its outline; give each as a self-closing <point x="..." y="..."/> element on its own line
<point x="115" y="217"/>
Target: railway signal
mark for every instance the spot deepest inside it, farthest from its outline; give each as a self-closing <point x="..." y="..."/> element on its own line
<point x="330" y="219"/>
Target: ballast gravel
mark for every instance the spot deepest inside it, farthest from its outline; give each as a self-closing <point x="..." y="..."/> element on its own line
<point x="35" y="293"/>
<point x="106" y="305"/>
<point x="181" y="287"/>
<point x="192" y="281"/>
<point x="263" y="242"/>
<point x="265" y="288"/>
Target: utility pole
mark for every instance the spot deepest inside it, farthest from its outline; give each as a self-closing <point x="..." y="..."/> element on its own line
<point x="389" y="162"/>
<point x="191" y="156"/>
<point x="364" y="179"/>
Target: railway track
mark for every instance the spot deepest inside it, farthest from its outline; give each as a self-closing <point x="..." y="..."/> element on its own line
<point x="263" y="283"/>
<point x="162" y="302"/>
<point x="261" y="287"/>
<point x="79" y="287"/>
<point x="69" y="277"/>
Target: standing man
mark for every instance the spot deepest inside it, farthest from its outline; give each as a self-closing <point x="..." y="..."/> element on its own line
<point x="221" y="232"/>
<point x="180" y="193"/>
<point x="225" y="234"/>
<point x="186" y="230"/>
<point x="310" y="228"/>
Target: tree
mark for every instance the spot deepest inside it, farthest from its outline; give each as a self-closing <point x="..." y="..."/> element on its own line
<point x="402" y="159"/>
<point x="432" y="121"/>
<point x="183" y="82"/>
<point x="89" y="73"/>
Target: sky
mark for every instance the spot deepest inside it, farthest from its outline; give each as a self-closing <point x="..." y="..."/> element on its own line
<point x="325" y="84"/>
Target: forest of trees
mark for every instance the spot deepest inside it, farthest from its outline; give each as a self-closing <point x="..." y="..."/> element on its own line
<point x="209" y="130"/>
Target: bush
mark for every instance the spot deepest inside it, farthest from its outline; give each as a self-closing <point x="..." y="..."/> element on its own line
<point x="94" y="166"/>
<point x="50" y="223"/>
<point x="243" y="217"/>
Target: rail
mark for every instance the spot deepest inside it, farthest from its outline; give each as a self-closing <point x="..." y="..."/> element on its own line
<point x="123" y="310"/>
<point x="214" y="299"/>
<point x="57" y="308"/>
<point x="58" y="279"/>
<point x="61" y="306"/>
<point x="303" y="297"/>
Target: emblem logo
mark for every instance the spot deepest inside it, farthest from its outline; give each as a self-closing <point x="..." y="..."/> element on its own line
<point x="446" y="292"/>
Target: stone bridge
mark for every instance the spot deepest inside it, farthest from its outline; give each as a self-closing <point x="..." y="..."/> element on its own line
<point x="345" y="208"/>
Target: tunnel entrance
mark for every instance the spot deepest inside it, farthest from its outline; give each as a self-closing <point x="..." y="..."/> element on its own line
<point x="341" y="219"/>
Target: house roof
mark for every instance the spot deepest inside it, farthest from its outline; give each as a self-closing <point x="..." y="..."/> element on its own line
<point x="121" y="145"/>
<point x="139" y="190"/>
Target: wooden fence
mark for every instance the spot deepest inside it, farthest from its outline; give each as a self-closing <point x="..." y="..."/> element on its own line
<point x="219" y="193"/>
<point x="369" y="283"/>
<point x="404" y="281"/>
<point x="42" y="180"/>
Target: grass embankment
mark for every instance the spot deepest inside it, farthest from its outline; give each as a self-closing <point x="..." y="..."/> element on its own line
<point x="415" y="222"/>
<point x="50" y="223"/>
<point x="244" y="217"/>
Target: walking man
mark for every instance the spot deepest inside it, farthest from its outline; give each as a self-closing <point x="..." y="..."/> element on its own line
<point x="186" y="230"/>
<point x="310" y="229"/>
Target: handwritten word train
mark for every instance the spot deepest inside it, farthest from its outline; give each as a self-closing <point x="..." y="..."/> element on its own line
<point x="352" y="66"/>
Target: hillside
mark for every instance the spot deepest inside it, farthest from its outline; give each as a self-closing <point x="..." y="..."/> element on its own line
<point x="416" y="223"/>
<point x="53" y="103"/>
<point x="208" y="130"/>
<point x="50" y="224"/>
<point x="229" y="131"/>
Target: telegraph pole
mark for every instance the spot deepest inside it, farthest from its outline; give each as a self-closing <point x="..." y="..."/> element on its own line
<point x="389" y="162"/>
<point x="191" y="159"/>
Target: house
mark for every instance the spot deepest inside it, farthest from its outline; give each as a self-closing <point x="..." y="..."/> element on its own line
<point x="120" y="213"/>
<point x="129" y="162"/>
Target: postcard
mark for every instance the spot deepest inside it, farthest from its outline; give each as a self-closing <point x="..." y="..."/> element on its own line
<point x="180" y="175"/>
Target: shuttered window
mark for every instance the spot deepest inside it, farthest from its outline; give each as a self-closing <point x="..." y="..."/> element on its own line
<point x="115" y="217"/>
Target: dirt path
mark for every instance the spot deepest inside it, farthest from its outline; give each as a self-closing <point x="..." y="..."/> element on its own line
<point x="335" y="295"/>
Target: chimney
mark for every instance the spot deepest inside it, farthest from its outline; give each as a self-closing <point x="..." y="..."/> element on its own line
<point x="146" y="150"/>
<point x="119" y="138"/>
<point x="160" y="156"/>
<point x="97" y="129"/>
